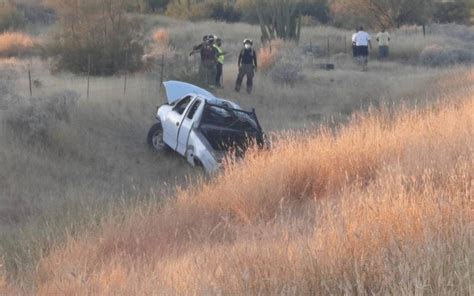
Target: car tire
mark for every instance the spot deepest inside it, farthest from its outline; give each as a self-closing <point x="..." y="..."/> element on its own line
<point x="198" y="163"/>
<point x="155" y="137"/>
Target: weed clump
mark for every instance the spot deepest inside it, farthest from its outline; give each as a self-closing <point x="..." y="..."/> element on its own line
<point x="289" y="68"/>
<point x="439" y="56"/>
<point x="33" y="119"/>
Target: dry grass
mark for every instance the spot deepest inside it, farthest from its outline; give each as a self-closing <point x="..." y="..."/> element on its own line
<point x="267" y="55"/>
<point x="161" y="36"/>
<point x="96" y="165"/>
<point x="16" y="44"/>
<point x="381" y="206"/>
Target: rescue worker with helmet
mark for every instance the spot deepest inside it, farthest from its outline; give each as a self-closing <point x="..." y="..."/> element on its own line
<point x="207" y="66"/>
<point x="247" y="64"/>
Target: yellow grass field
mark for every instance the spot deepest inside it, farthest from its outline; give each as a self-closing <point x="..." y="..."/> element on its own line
<point x="383" y="205"/>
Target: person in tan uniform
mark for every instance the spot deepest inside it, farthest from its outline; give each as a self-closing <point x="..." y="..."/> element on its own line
<point x="383" y="39"/>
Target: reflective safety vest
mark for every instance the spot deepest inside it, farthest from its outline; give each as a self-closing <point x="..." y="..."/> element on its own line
<point x="220" y="56"/>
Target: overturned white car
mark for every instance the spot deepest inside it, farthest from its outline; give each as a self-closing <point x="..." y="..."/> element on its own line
<point x="201" y="127"/>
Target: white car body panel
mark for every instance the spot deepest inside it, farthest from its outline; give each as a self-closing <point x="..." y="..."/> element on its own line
<point x="176" y="90"/>
<point x="180" y="132"/>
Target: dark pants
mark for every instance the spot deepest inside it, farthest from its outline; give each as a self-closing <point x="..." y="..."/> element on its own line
<point x="245" y="69"/>
<point x="208" y="72"/>
<point x="354" y="51"/>
<point x="383" y="52"/>
<point x="219" y="67"/>
<point x="363" y="54"/>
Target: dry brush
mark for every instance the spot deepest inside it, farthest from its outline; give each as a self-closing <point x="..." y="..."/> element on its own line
<point x="382" y="205"/>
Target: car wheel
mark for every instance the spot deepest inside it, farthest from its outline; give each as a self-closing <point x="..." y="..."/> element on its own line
<point x="155" y="137"/>
<point x="198" y="163"/>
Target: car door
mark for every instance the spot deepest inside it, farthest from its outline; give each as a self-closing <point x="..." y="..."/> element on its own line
<point x="187" y="125"/>
<point x="172" y="122"/>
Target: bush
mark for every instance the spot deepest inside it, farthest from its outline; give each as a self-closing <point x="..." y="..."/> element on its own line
<point x="8" y="96"/>
<point x="438" y="56"/>
<point x="37" y="13"/>
<point x="282" y="61"/>
<point x="451" y="12"/>
<point x="224" y="12"/>
<point x="16" y="44"/>
<point x="268" y="55"/>
<point x="288" y="69"/>
<point x="200" y="10"/>
<point x="33" y="119"/>
<point x="188" y="10"/>
<point x="10" y="17"/>
<point x="96" y="34"/>
<point x="161" y="36"/>
<point x="461" y="32"/>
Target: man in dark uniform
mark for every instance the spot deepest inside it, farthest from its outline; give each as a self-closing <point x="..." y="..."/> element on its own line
<point x="207" y="65"/>
<point x="247" y="66"/>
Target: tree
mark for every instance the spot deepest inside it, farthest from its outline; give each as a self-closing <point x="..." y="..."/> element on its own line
<point x="452" y="12"/>
<point x="98" y="31"/>
<point x="145" y="6"/>
<point x="278" y="18"/>
<point x="387" y="13"/>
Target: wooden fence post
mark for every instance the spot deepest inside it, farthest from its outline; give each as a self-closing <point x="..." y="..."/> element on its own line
<point x="88" y="73"/>
<point x="329" y="52"/>
<point x="126" y="72"/>
<point x="29" y="79"/>
<point x="162" y="71"/>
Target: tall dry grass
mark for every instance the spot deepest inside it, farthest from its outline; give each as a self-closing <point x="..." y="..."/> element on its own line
<point x="380" y="206"/>
<point x="16" y="44"/>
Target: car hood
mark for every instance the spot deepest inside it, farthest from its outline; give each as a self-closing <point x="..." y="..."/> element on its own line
<point x="176" y="90"/>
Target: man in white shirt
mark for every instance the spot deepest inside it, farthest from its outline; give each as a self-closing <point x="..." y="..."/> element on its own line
<point x="383" y="38"/>
<point x="363" y="43"/>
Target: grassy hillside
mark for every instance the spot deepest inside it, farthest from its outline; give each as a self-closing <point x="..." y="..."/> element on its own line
<point x="76" y="175"/>
<point x="380" y="206"/>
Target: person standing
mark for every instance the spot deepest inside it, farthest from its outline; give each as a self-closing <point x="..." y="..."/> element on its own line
<point x="247" y="64"/>
<point x="199" y="48"/>
<point x="354" y="46"/>
<point x="383" y="39"/>
<point x="363" y="42"/>
<point x="209" y="60"/>
<point x="220" y="62"/>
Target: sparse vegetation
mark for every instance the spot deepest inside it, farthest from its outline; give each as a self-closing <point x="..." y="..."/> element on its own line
<point x="33" y="119"/>
<point x="360" y="193"/>
<point x="379" y="206"/>
<point x="16" y="44"/>
<point x="438" y="56"/>
<point x="10" y="17"/>
<point x="96" y="38"/>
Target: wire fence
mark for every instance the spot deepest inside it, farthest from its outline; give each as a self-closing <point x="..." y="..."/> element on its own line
<point x="40" y="80"/>
<point x="125" y="81"/>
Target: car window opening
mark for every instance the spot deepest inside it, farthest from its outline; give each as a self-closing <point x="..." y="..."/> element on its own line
<point x="193" y="109"/>
<point x="181" y="106"/>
